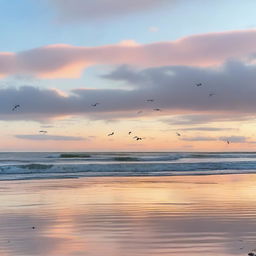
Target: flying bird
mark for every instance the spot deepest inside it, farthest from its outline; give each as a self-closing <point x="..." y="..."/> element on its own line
<point x="150" y="100"/>
<point x="200" y="84"/>
<point x="211" y="94"/>
<point x="138" y="138"/>
<point x="94" y="105"/>
<point x="44" y="132"/>
<point x="252" y="253"/>
<point x="178" y="134"/>
<point x="157" y="109"/>
<point x="129" y="133"/>
<point x="228" y="141"/>
<point x="110" y="134"/>
<point x="15" y="107"/>
<point x="139" y="112"/>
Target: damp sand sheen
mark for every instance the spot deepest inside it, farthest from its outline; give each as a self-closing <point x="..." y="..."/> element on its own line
<point x="129" y="216"/>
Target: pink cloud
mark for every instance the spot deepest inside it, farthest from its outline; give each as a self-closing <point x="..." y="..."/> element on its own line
<point x="66" y="61"/>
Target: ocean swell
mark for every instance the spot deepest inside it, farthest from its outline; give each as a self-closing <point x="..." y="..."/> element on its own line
<point x="39" y="171"/>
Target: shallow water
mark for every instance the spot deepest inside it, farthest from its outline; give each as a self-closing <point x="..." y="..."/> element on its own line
<point x="124" y="216"/>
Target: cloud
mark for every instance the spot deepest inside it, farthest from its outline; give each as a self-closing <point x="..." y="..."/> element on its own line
<point x="128" y="42"/>
<point x="49" y="137"/>
<point x="206" y="129"/>
<point x="195" y="119"/>
<point x="172" y="88"/>
<point x="233" y="139"/>
<point x="47" y="126"/>
<point x="88" y="10"/>
<point x="199" y="138"/>
<point x="66" y="61"/>
<point x="175" y="88"/>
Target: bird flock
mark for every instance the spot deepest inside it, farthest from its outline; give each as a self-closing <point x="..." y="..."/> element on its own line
<point x="17" y="106"/>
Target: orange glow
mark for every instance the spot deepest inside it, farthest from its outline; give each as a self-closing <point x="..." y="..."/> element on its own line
<point x="159" y="136"/>
<point x="72" y="70"/>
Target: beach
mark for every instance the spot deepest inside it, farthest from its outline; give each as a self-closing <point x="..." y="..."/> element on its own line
<point x="122" y="216"/>
<point x="127" y="128"/>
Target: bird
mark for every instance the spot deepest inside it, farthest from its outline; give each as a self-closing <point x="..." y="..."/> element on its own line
<point x="211" y="94"/>
<point x="157" y="109"/>
<point x="15" y="107"/>
<point x="94" y="105"/>
<point x="139" y="112"/>
<point x="110" y="134"/>
<point x="150" y="100"/>
<point x="200" y="84"/>
<point x="43" y="131"/>
<point x="228" y="141"/>
<point x="178" y="134"/>
<point x="129" y="133"/>
<point x="138" y="138"/>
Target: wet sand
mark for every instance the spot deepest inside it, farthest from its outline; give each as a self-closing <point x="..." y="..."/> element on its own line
<point x="199" y="215"/>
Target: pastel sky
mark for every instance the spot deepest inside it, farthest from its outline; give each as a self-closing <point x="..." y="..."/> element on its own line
<point x="60" y="57"/>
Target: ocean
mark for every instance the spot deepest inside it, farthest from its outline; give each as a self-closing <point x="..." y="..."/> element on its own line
<point x="25" y="166"/>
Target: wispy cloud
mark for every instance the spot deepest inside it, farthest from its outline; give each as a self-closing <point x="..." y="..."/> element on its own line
<point x="48" y="137"/>
<point x="235" y="139"/>
<point x="232" y="139"/>
<point x="207" y="129"/>
<point x="202" y="118"/>
<point x="47" y="126"/>
<point x="65" y="61"/>
<point x="199" y="138"/>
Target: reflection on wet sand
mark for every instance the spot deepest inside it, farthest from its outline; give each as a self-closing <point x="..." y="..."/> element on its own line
<point x="203" y="215"/>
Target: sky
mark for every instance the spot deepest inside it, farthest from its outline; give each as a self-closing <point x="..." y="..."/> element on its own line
<point x="60" y="57"/>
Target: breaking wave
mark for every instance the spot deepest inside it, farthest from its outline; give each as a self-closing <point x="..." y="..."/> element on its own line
<point x="48" y="171"/>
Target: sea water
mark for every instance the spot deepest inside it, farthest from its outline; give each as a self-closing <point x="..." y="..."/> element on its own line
<point x="23" y="166"/>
